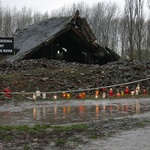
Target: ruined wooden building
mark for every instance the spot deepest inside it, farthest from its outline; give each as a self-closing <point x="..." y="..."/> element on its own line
<point x="65" y="38"/>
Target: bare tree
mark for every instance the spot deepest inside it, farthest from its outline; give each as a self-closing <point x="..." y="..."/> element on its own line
<point x="97" y="18"/>
<point x="110" y="17"/>
<point x="37" y="16"/>
<point x="7" y="21"/>
<point x="24" y="18"/>
<point x="122" y="32"/>
<point x="1" y="19"/>
<point x="63" y="11"/>
<point x="146" y="40"/>
<point x="139" y="27"/>
<point x="70" y="10"/>
<point x="114" y="35"/>
<point x="45" y="16"/>
<point x="130" y="14"/>
<point x="102" y="19"/>
<point x="147" y="35"/>
<point x="82" y="7"/>
<point x="15" y="19"/>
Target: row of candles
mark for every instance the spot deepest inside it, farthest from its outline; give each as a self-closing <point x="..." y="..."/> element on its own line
<point x="104" y="93"/>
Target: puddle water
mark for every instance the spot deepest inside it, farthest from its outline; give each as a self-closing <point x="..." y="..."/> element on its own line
<point x="62" y="112"/>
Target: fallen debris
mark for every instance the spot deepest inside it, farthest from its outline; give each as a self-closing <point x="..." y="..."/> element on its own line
<point x="54" y="75"/>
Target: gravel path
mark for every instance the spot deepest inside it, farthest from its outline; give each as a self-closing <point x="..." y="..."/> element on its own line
<point x="137" y="139"/>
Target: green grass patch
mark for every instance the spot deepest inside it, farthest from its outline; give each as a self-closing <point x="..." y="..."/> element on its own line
<point x="60" y="142"/>
<point x="72" y="127"/>
<point x="141" y="124"/>
<point x="6" y="128"/>
<point x="8" y="138"/>
<point x="146" y="121"/>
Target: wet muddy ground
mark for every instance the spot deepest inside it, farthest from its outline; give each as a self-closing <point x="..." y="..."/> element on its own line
<point x="93" y="112"/>
<point x="136" y="139"/>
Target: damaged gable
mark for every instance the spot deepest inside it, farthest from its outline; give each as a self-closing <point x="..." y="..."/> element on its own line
<point x="64" y="38"/>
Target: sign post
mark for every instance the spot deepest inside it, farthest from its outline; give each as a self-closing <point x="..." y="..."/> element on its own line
<point x="6" y="46"/>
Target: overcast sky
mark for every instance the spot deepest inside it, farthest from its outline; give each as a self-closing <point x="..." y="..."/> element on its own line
<point x="48" y="5"/>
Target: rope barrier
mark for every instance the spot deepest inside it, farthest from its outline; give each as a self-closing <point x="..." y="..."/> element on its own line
<point x="81" y="90"/>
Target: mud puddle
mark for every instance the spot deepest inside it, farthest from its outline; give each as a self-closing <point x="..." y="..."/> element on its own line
<point x="69" y="111"/>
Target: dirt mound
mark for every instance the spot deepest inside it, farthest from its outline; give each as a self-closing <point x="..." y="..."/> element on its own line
<point x="53" y="75"/>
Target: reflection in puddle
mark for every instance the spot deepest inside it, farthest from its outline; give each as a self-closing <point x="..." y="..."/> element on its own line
<point x="58" y="114"/>
<point x="86" y="113"/>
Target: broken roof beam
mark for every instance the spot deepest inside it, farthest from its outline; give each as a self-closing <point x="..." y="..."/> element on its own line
<point x="115" y="55"/>
<point x="85" y="29"/>
<point x="82" y="25"/>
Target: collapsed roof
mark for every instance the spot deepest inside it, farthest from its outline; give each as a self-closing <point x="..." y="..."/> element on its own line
<point x="65" y="38"/>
